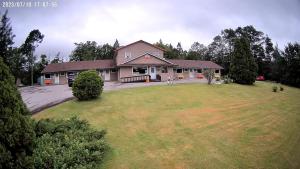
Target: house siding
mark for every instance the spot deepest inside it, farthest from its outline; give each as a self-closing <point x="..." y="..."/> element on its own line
<point x="147" y="59"/>
<point x="125" y="72"/>
<point x="136" y="50"/>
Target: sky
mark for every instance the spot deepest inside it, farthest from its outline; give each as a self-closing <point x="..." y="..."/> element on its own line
<point x="65" y="22"/>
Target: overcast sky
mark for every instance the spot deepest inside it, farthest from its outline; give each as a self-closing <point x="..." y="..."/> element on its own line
<point x="65" y="22"/>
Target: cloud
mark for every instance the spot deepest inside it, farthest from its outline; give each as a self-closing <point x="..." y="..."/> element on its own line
<point x="172" y="21"/>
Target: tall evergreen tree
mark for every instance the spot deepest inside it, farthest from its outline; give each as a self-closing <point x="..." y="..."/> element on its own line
<point x="278" y="65"/>
<point x="6" y="39"/>
<point x="292" y="71"/>
<point x="116" y="44"/>
<point x="266" y="61"/>
<point x="243" y="68"/>
<point x="16" y="129"/>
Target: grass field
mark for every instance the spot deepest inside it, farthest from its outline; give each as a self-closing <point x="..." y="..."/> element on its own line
<point x="195" y="126"/>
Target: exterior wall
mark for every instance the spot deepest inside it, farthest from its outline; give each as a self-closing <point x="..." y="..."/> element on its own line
<point x="113" y="76"/>
<point x="165" y="76"/>
<point x="136" y="50"/>
<point x="147" y="59"/>
<point x="63" y="79"/>
<point x="125" y="72"/>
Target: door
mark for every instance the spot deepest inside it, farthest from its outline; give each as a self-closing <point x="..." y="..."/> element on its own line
<point x="191" y="73"/>
<point x="153" y="72"/>
<point x="107" y="75"/>
<point x="56" y="78"/>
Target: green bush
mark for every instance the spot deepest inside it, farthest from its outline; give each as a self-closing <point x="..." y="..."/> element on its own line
<point x="16" y="128"/>
<point x="281" y="88"/>
<point x="68" y="144"/>
<point x="274" y="89"/>
<point x="88" y="85"/>
<point x="227" y="80"/>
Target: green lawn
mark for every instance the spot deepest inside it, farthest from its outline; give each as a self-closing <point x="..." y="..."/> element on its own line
<point x="195" y="126"/>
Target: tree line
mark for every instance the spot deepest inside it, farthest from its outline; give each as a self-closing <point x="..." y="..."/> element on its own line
<point x="272" y="63"/>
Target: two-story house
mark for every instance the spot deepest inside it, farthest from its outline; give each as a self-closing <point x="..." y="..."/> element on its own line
<point x="134" y="62"/>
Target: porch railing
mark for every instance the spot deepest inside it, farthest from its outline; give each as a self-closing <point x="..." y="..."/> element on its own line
<point x="139" y="78"/>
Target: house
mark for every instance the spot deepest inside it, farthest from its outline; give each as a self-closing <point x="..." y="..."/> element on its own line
<point x="137" y="61"/>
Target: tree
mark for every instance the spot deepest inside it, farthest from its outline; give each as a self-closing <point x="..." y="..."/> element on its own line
<point x="90" y="50"/>
<point x="266" y="61"/>
<point x="291" y="74"/>
<point x="116" y="44"/>
<point x="243" y="68"/>
<point x="278" y="65"/>
<point x="6" y="39"/>
<point x="16" y="130"/>
<point x="31" y="43"/>
<point x="219" y="53"/>
<point x="39" y="66"/>
<point x="105" y="52"/>
<point x="179" y="50"/>
<point x="84" y="51"/>
<point x="197" y="52"/>
<point x="209" y="75"/>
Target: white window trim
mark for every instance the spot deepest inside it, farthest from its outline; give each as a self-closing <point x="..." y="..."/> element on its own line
<point x="139" y="67"/>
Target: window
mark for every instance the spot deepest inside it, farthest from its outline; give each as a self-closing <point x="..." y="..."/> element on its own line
<point x="47" y="76"/>
<point x="127" y="55"/>
<point x="164" y="69"/>
<point x="113" y="70"/>
<point x="179" y="71"/>
<point x="191" y="70"/>
<point x="199" y="70"/>
<point x="185" y="70"/>
<point x="217" y="71"/>
<point x="62" y="73"/>
<point x="139" y="70"/>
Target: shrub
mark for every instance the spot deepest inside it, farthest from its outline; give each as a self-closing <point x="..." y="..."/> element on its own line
<point x="281" y="88"/>
<point x="16" y="129"/>
<point x="88" y="85"/>
<point x="227" y="80"/>
<point x="68" y="144"/>
<point x="274" y="88"/>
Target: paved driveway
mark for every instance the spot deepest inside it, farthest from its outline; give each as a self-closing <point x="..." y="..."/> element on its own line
<point x="38" y="98"/>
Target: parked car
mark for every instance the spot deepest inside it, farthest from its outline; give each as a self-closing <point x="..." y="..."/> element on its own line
<point x="260" y="78"/>
<point x="71" y="78"/>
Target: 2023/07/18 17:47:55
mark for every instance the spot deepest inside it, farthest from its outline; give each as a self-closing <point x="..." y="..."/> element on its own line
<point x="29" y="4"/>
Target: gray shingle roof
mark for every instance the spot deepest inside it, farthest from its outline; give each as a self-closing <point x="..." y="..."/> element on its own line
<point x="195" y="64"/>
<point x="81" y="65"/>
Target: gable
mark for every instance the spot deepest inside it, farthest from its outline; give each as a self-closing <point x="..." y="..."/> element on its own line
<point x="147" y="59"/>
<point x="137" y="49"/>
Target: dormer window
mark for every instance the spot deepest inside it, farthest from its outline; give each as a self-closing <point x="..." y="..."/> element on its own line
<point x="127" y="55"/>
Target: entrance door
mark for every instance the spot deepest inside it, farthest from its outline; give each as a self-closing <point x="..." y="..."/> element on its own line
<point x="192" y="75"/>
<point x="107" y="75"/>
<point x="56" y="78"/>
<point x="153" y="72"/>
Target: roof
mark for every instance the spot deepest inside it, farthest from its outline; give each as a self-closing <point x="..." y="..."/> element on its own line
<point x="141" y="41"/>
<point x="167" y="61"/>
<point x="79" y="65"/>
<point x="195" y="64"/>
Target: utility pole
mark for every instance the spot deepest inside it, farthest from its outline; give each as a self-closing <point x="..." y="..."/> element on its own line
<point x="31" y="60"/>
